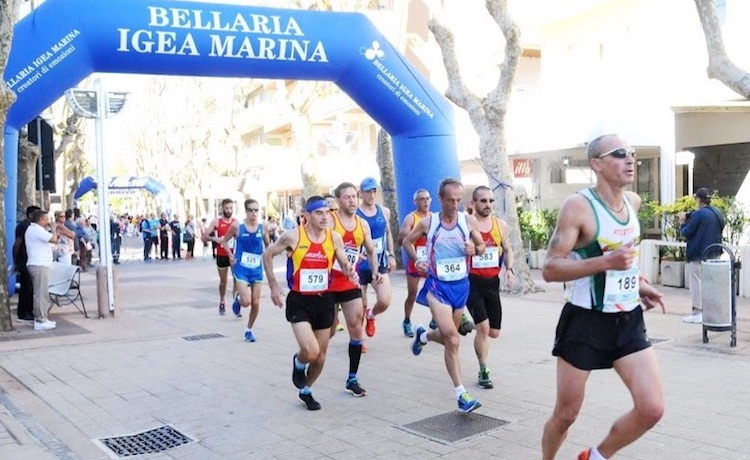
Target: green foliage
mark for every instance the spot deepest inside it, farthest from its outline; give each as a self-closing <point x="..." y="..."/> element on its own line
<point x="670" y="214"/>
<point x="735" y="213"/>
<point x="646" y="212"/>
<point x="536" y="226"/>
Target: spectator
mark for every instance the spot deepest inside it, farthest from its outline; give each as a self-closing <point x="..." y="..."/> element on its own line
<point x="65" y="248"/>
<point x="39" y="251"/>
<point x="190" y="237"/>
<point x="20" y="257"/>
<point x="176" y="227"/>
<point x="702" y="228"/>
<point x="71" y="225"/>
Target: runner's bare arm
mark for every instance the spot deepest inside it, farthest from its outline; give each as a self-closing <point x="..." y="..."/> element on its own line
<point x="286" y="241"/>
<point x="571" y="219"/>
<point x="340" y="255"/>
<point x="413" y="236"/>
<point x="406" y="227"/>
<point x="477" y="246"/>
<point x="507" y="247"/>
<point x="233" y="230"/>
<point x="389" y="236"/>
<point x="207" y="234"/>
<point x="372" y="256"/>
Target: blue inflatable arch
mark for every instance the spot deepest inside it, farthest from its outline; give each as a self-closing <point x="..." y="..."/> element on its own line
<point x="64" y="41"/>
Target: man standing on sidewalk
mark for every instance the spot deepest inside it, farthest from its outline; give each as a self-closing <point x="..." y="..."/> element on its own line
<point x="702" y="228"/>
<point x="594" y="251"/>
<point x="25" y="310"/>
<point x="452" y="236"/>
<point x="484" y="278"/>
<point x="311" y="249"/>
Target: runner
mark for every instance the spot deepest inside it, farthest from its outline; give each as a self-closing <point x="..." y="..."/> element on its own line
<point x="422" y="202"/>
<point x="311" y="249"/>
<point x="214" y="232"/>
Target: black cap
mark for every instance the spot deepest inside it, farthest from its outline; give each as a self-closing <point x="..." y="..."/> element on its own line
<point x="703" y="193"/>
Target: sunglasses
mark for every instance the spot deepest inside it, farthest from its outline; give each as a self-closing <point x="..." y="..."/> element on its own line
<point x="619" y="153"/>
<point x="251" y="210"/>
<point x="486" y="200"/>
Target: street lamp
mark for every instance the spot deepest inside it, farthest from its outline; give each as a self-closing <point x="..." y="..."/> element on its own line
<point x="90" y="104"/>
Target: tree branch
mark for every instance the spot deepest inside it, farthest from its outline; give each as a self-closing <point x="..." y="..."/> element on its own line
<point x="498" y="9"/>
<point x="457" y="92"/>
<point x="720" y="66"/>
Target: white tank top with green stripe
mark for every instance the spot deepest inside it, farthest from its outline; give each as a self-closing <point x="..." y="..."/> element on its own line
<point x="614" y="290"/>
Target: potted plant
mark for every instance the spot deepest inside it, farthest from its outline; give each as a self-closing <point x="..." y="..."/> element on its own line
<point x="672" y="263"/>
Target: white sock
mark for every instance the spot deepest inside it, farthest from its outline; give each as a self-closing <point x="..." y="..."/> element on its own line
<point x="423" y="337"/>
<point x="595" y="455"/>
<point x="459" y="391"/>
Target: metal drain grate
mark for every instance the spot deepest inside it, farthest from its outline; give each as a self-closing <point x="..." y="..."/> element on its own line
<point x="195" y="338"/>
<point x="147" y="442"/>
<point x="453" y="426"/>
<point x="655" y="341"/>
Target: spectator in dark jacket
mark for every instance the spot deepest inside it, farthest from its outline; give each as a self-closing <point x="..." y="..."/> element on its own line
<point x="702" y="228"/>
<point x="26" y="293"/>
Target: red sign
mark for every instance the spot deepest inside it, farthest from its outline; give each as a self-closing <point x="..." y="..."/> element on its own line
<point x="521" y="167"/>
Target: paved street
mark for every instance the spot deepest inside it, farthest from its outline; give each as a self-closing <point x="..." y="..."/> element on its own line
<point x="100" y="378"/>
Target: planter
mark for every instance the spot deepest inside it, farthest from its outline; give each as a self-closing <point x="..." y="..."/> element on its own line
<point x="673" y="273"/>
<point x="534" y="259"/>
<point x="542" y="257"/>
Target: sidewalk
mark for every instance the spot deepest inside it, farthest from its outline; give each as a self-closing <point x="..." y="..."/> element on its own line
<point x="99" y="378"/>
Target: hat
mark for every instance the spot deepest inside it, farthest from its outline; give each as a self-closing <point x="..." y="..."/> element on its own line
<point x="703" y="193"/>
<point x="368" y="183"/>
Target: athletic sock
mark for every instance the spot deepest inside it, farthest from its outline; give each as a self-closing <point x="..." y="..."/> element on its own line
<point x="459" y="391"/>
<point x="305" y="391"/>
<point x="423" y="337"/>
<point x="355" y="354"/>
<point x="298" y="364"/>
<point x="595" y="455"/>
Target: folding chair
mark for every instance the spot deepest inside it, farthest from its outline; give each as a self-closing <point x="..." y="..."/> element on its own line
<point x="65" y="286"/>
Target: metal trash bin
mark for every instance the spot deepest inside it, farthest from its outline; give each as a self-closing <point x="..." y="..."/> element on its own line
<point x="718" y="295"/>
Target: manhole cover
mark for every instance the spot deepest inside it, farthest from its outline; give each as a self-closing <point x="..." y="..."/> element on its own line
<point x="195" y="338"/>
<point x="147" y="442"/>
<point x="453" y="426"/>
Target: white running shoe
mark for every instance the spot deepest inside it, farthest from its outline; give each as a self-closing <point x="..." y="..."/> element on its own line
<point x="44" y="325"/>
<point x="693" y="319"/>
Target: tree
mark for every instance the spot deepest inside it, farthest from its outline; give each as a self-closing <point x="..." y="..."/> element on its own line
<point x="487" y="115"/>
<point x="384" y="158"/>
<point x="8" y="15"/>
<point x="720" y="66"/>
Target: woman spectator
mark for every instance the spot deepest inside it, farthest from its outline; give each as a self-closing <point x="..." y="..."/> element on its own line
<point x="63" y="251"/>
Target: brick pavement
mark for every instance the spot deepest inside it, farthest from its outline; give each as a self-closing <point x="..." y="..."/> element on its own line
<point x="94" y="378"/>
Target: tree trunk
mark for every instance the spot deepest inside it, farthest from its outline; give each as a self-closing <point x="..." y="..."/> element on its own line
<point x="8" y="15"/>
<point x="28" y="154"/>
<point x="384" y="158"/>
<point x="487" y="116"/>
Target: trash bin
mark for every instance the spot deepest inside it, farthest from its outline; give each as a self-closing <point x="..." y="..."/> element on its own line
<point x="718" y="295"/>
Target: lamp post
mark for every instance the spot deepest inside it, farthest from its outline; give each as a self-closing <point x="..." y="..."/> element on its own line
<point x="93" y="104"/>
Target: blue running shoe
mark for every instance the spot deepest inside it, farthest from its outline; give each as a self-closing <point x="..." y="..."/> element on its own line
<point x="433" y="324"/>
<point x="236" y="306"/>
<point x="417" y="346"/>
<point x="299" y="376"/>
<point x="467" y="404"/>
<point x="352" y="386"/>
<point x="249" y="336"/>
<point x="408" y="331"/>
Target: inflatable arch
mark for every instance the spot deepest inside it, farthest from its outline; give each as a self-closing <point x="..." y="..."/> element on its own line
<point x="64" y="41"/>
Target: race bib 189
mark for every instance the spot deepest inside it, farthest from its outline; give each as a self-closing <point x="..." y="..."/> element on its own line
<point x="621" y="287"/>
<point x="352" y="256"/>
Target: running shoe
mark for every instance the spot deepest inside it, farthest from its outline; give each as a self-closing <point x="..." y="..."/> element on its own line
<point x="484" y="379"/>
<point x="352" y="386"/>
<point x="339" y="327"/>
<point x="433" y="324"/>
<point x="370" y="326"/>
<point x="417" y="346"/>
<point x="467" y="404"/>
<point x="308" y="399"/>
<point x="299" y="376"/>
<point x="466" y="326"/>
<point x="236" y="306"/>
<point x="249" y="336"/>
<point x="408" y="331"/>
<point x="222" y="309"/>
<point x="585" y="455"/>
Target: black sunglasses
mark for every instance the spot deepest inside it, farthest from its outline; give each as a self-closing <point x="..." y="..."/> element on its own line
<point x="619" y="153"/>
<point x="486" y="200"/>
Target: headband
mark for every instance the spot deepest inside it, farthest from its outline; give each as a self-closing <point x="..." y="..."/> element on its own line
<point x="316" y="205"/>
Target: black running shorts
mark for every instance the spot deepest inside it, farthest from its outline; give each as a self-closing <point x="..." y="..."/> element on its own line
<point x="484" y="300"/>
<point x="316" y="309"/>
<point x="591" y="340"/>
<point x="345" y="296"/>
